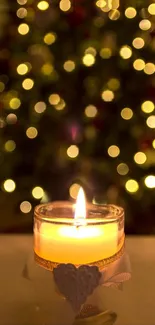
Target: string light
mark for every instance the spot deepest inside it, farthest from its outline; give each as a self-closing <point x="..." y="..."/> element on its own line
<point x="107" y="95"/>
<point x="69" y="65"/>
<point x="37" y="192"/>
<point x="22" y="69"/>
<point x="25" y="207"/>
<point x="15" y="103"/>
<point x="11" y="118"/>
<point x="91" y="111"/>
<point x="43" y="5"/>
<point x="22" y="2"/>
<point x="40" y="107"/>
<point x="113" y="151"/>
<point x="105" y="53"/>
<point x="150" y="181"/>
<point x="31" y="132"/>
<point x="140" y="158"/>
<point x="114" y="14"/>
<point x="74" y="189"/>
<point x="72" y="151"/>
<point x="138" y="43"/>
<point x="149" y="68"/>
<point x="88" y="60"/>
<point x="54" y="99"/>
<point x="60" y="106"/>
<point x="23" y="29"/>
<point x="151" y="9"/>
<point x="114" y="84"/>
<point x="147" y="106"/>
<point x="151" y="121"/>
<point x="50" y="38"/>
<point x="2" y="86"/>
<point x="153" y="143"/>
<point x="10" y="145"/>
<point x="27" y="84"/>
<point x="9" y="185"/>
<point x="65" y="5"/>
<point x="130" y="12"/>
<point x="139" y="64"/>
<point x="125" y="52"/>
<point x="122" y="169"/>
<point x="91" y="50"/>
<point x="132" y="186"/>
<point x="21" y="13"/>
<point x="47" y="69"/>
<point x="145" y="24"/>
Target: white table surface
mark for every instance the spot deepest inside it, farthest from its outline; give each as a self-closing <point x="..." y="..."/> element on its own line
<point x="134" y="306"/>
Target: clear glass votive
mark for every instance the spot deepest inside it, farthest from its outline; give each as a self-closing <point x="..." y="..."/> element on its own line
<point x="97" y="239"/>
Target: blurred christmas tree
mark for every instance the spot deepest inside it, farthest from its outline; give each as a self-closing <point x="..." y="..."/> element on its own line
<point x="77" y="107"/>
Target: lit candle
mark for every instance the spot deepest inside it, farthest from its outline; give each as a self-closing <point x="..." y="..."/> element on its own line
<point x="78" y="241"/>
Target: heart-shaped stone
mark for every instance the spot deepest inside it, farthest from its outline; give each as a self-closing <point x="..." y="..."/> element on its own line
<point x="76" y="284"/>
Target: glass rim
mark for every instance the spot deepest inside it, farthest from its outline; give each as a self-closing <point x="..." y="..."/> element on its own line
<point x="95" y="213"/>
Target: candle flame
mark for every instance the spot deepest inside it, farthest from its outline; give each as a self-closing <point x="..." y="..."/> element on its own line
<point x="80" y="208"/>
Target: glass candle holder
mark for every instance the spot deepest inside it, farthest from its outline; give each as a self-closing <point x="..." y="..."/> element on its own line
<point x="97" y="239"/>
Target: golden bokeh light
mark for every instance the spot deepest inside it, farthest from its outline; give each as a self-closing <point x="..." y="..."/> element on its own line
<point x="138" y="43"/>
<point x="69" y="65"/>
<point x="88" y="60"/>
<point x="153" y="143"/>
<point x="91" y="111"/>
<point x="40" y="107"/>
<point x="54" y="99"/>
<point x="126" y="113"/>
<point x="114" y="84"/>
<point x="31" y="132"/>
<point x="132" y="186"/>
<point x="145" y="24"/>
<point x="22" y="2"/>
<point x="23" y="29"/>
<point x="140" y="158"/>
<point x="125" y="52"/>
<point x="122" y="169"/>
<point x="21" y="13"/>
<point x="15" y="103"/>
<point x="11" y="118"/>
<point x="10" y="145"/>
<point x="37" y="192"/>
<point x="130" y="12"/>
<point x="149" y="68"/>
<point x="147" y="106"/>
<point x="2" y="86"/>
<point x="72" y="151"/>
<point x="50" y="38"/>
<point x="151" y="121"/>
<point x="91" y="50"/>
<point x="107" y="95"/>
<point x="151" y="9"/>
<point x="139" y="64"/>
<point x="101" y="3"/>
<point x="60" y="106"/>
<point x="27" y="84"/>
<point x="114" y="14"/>
<point x="105" y="53"/>
<point x="22" y="69"/>
<point x="113" y="151"/>
<point x="9" y="185"/>
<point x="43" y="5"/>
<point x="65" y="5"/>
<point x="73" y="191"/>
<point x="25" y="207"/>
<point x="47" y="69"/>
<point x="150" y="181"/>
